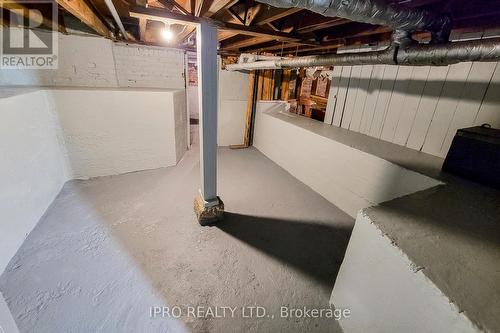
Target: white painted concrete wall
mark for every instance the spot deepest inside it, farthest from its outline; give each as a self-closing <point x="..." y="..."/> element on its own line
<point x="7" y="323"/>
<point x="387" y="293"/>
<point x="89" y="61"/>
<point x="194" y="107"/>
<point x="233" y="97"/>
<point x="49" y="136"/>
<point x="108" y="132"/>
<point x="347" y="177"/>
<point x="32" y="168"/>
<point x="417" y="107"/>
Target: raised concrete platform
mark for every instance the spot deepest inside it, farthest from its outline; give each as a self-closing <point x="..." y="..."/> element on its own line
<point x="446" y="244"/>
<point x="427" y="257"/>
<point x="351" y="170"/>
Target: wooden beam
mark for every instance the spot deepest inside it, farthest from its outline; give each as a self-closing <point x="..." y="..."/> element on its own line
<point x="285" y="84"/>
<point x="189" y="30"/>
<point x="225" y="34"/>
<point x="162" y="15"/>
<point x="244" y="42"/>
<point x="260" y="32"/>
<point x="192" y="7"/>
<point x="235" y="16"/>
<point x="250" y="108"/>
<point x="260" y="83"/>
<point x="323" y="25"/>
<point x="179" y="7"/>
<point x="272" y="26"/>
<point x="218" y="5"/>
<point x="268" y="85"/>
<point x="273" y="14"/>
<point x="272" y="46"/>
<point x="82" y="11"/>
<point x="243" y="14"/>
<point x="205" y="6"/>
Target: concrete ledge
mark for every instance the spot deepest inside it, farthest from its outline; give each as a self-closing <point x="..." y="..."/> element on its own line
<point x="389" y="293"/>
<point x="7" y="323"/>
<point x="324" y="159"/>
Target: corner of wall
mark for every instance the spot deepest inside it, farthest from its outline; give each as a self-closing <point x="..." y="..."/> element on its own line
<point x="181" y="123"/>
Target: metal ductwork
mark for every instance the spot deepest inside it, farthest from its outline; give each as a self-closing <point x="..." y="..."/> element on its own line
<point x="402" y="51"/>
<point x="376" y="12"/>
<point x="409" y="55"/>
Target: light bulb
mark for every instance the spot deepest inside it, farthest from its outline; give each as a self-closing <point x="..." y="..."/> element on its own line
<point x="167" y="34"/>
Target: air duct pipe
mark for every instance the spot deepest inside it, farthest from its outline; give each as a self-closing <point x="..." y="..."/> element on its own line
<point x="410" y="55"/>
<point x="376" y="12"/>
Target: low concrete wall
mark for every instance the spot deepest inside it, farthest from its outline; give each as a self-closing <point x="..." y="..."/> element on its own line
<point x="32" y="167"/>
<point x="109" y="132"/>
<point x="49" y="136"/>
<point x="7" y="323"/>
<point x="347" y="177"/>
<point x="386" y="292"/>
<point x="232" y="109"/>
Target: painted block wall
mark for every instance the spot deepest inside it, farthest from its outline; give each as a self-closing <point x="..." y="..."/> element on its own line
<point x="89" y="61"/>
<point x="32" y="168"/>
<point x="417" y="107"/>
<point x="231" y="106"/>
<point x="110" y="131"/>
<point x="50" y="136"/>
<point x="347" y="177"/>
<point x="233" y="97"/>
<point x="386" y="292"/>
<point x="7" y="323"/>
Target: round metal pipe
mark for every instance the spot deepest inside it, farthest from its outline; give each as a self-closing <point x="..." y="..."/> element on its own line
<point x="485" y="50"/>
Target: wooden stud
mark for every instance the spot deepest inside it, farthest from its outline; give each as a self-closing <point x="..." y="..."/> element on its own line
<point x="285" y="89"/>
<point x="250" y="108"/>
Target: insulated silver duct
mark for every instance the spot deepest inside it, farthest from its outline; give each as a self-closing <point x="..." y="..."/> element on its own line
<point x="411" y="55"/>
<point x="486" y="50"/>
<point x="375" y="12"/>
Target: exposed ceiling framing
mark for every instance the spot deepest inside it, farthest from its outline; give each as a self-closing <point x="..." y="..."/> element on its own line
<point x="249" y="26"/>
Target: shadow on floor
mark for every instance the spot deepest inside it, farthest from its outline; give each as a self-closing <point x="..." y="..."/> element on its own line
<point x="314" y="249"/>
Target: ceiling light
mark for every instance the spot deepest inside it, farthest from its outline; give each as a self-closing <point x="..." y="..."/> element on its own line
<point x="166" y="33"/>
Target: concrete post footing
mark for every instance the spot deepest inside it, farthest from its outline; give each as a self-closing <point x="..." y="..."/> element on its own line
<point x="208" y="212"/>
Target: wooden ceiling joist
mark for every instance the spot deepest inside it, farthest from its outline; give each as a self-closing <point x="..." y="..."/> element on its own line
<point x="313" y="26"/>
<point x="223" y="35"/>
<point x="249" y="26"/>
<point x="162" y="15"/>
<point x="240" y="43"/>
<point x="84" y="13"/>
<point x="273" y="14"/>
<point x="218" y="5"/>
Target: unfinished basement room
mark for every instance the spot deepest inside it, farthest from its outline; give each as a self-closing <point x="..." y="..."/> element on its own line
<point x="206" y="166"/>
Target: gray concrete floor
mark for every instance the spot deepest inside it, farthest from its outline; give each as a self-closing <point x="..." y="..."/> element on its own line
<point x="110" y="248"/>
